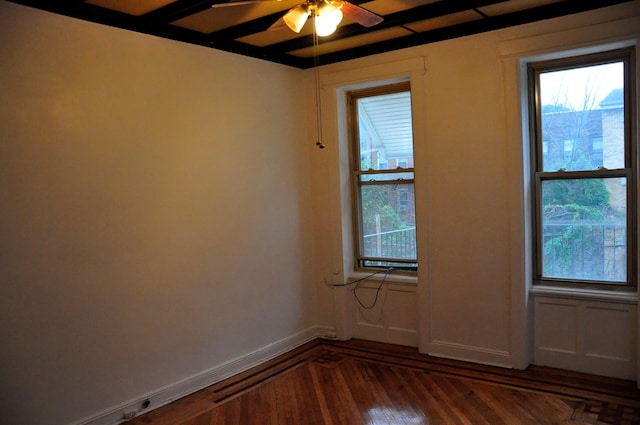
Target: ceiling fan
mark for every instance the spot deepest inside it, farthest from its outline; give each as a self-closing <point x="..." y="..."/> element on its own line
<point x="327" y="13"/>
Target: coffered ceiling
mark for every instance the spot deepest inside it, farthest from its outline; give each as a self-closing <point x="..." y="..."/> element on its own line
<point x="243" y="28"/>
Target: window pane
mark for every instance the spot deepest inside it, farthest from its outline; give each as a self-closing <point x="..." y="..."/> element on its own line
<point x="582" y="118"/>
<point x="584" y="229"/>
<point x="388" y="221"/>
<point x="385" y="132"/>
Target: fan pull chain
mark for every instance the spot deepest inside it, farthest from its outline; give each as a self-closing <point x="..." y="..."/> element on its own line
<point x="316" y="65"/>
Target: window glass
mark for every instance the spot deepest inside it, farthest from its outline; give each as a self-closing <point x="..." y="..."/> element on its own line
<point x="385" y="132"/>
<point x="584" y="229"/>
<point x="578" y="106"/>
<point x="384" y="218"/>
<point x="388" y="223"/>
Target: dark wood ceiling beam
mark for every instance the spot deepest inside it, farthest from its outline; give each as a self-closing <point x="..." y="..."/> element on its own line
<point x="81" y="10"/>
<point x="159" y="23"/>
<point x="49" y="5"/>
<point x="469" y="28"/>
<point x="183" y="8"/>
<point x="247" y="28"/>
<point x="176" y="10"/>
<point x="432" y="10"/>
<point x="257" y="25"/>
<point x="177" y="33"/>
<point x="420" y="13"/>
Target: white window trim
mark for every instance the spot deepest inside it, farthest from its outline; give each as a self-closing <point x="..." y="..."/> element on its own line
<point x="632" y="281"/>
<point x="334" y="86"/>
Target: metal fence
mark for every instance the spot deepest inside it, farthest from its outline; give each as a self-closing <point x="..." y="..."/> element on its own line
<point x="400" y="244"/>
<point x="585" y="250"/>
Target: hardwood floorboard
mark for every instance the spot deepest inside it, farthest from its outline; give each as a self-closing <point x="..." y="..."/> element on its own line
<point x="536" y="377"/>
<point x="339" y="399"/>
<point x="368" y="383"/>
<point x="423" y="389"/>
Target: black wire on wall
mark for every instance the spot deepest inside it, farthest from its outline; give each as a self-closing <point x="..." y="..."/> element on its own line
<point x="359" y="282"/>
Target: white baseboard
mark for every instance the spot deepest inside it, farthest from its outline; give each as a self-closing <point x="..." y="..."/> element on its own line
<point x="386" y="334"/>
<point x="161" y="396"/>
<point x="327" y="332"/>
<point x="470" y="353"/>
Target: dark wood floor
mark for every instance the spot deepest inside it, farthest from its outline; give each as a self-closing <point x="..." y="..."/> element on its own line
<point x="368" y="383"/>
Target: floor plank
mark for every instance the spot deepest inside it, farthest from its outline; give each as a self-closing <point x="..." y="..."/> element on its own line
<point x="368" y="383"/>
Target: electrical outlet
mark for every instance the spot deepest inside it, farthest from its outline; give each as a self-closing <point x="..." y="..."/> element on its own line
<point x="129" y="415"/>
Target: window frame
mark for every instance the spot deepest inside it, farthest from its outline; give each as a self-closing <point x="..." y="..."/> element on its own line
<point x="355" y="177"/>
<point x="630" y="170"/>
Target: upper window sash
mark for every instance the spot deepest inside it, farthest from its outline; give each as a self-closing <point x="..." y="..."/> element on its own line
<point x="625" y="55"/>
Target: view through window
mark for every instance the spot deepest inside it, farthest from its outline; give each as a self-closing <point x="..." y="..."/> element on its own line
<point x="383" y="180"/>
<point x="583" y="169"/>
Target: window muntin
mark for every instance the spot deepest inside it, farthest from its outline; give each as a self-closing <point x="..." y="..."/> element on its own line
<point x="583" y="170"/>
<point x="383" y="177"/>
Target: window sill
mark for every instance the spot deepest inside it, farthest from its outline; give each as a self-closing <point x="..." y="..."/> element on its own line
<point x="392" y="278"/>
<point x="585" y="294"/>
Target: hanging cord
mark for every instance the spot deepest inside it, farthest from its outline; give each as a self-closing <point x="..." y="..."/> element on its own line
<point x="316" y="66"/>
<point x="359" y="282"/>
<point x="375" y="299"/>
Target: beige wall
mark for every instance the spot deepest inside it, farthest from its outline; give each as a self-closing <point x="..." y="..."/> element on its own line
<point x="153" y="221"/>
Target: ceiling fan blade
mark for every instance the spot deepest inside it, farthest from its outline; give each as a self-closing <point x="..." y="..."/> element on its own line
<point x="360" y="15"/>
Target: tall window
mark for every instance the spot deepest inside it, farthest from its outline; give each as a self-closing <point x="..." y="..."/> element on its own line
<point x="382" y="175"/>
<point x="584" y="169"/>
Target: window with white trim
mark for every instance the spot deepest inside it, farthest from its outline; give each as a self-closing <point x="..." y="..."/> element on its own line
<point x="382" y="173"/>
<point x="584" y="169"/>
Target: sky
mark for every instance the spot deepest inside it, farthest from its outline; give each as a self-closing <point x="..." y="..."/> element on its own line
<point x="581" y="88"/>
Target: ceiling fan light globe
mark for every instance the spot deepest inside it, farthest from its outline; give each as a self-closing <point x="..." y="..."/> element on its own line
<point x="296" y="17"/>
<point x="325" y="30"/>
<point x="327" y="19"/>
<point x="335" y="16"/>
<point x="330" y="13"/>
